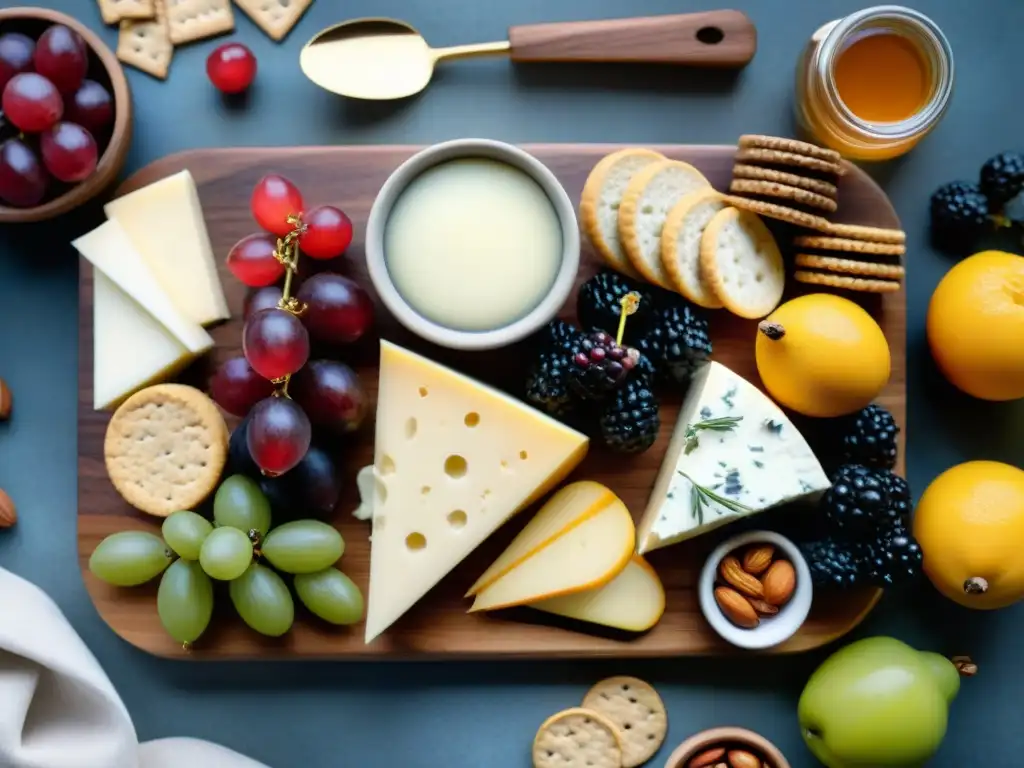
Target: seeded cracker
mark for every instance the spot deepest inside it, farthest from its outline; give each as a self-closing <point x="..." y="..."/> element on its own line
<point x="113" y="11"/>
<point x="777" y="157"/>
<point x="780" y="212"/>
<point x="165" y="448"/>
<point x="146" y="45"/>
<point x="871" y="234"/>
<point x="637" y="711"/>
<point x="191" y="20"/>
<point x="577" y="738"/>
<point x="783" y="192"/>
<point x="790" y="145"/>
<point x="858" y="284"/>
<point x="275" y="17"/>
<point x="741" y="171"/>
<point x="845" y="245"/>
<point x="849" y="266"/>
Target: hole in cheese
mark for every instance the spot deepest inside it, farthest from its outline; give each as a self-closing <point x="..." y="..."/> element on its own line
<point x="455" y="466"/>
<point x="472" y="419"/>
<point x="410" y="428"/>
<point x="416" y="541"/>
<point x="457" y="519"/>
<point x="387" y="465"/>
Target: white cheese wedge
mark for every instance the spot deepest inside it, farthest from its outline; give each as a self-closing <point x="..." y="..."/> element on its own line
<point x="633" y="601"/>
<point x="131" y="349"/>
<point x="165" y="223"/>
<point x="755" y="460"/>
<point x="580" y="539"/>
<point x="454" y="459"/>
<point x="110" y="251"/>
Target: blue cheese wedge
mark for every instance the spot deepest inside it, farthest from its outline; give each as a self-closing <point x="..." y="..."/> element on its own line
<point x="733" y="454"/>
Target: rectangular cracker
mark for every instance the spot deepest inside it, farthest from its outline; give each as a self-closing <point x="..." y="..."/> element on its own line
<point x="191" y="20"/>
<point x="113" y="11"/>
<point x="146" y="45"/>
<point x="275" y="17"/>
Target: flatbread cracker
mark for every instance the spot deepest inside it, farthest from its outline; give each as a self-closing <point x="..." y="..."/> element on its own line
<point x="113" y="11"/>
<point x="849" y="266"/>
<point x="275" y="17"/>
<point x="577" y="738"/>
<point x="782" y="192"/>
<point x="637" y="711"/>
<point x="146" y="45"/>
<point x="191" y="20"/>
<point x="859" y="284"/>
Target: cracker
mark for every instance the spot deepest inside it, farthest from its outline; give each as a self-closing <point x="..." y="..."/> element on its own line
<point x="783" y="192"/>
<point x="778" y="157"/>
<point x="780" y="212"/>
<point x="790" y="145"/>
<point x="191" y="20"/>
<point x="146" y="45"/>
<point x="846" y="245"/>
<point x="577" y="738"/>
<point x="637" y="711"/>
<point x="849" y="266"/>
<point x="871" y="234"/>
<point x="113" y="11"/>
<point x="741" y="262"/>
<point x="741" y="171"/>
<point x="680" y="244"/>
<point x="275" y="17"/>
<point x="165" y="448"/>
<point x="860" y="284"/>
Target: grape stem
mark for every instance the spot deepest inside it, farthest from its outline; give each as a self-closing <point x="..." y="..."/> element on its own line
<point x="287" y="253"/>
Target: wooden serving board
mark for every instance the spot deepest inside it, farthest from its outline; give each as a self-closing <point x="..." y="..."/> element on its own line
<point x="349" y="177"/>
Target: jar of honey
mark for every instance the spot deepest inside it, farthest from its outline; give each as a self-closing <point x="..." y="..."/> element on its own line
<point x="873" y="84"/>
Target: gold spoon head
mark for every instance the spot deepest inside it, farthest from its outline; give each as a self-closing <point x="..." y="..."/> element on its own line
<point x="374" y="59"/>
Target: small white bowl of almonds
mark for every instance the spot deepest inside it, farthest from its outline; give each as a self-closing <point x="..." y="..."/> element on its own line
<point x="755" y="589"/>
<point x="727" y="747"/>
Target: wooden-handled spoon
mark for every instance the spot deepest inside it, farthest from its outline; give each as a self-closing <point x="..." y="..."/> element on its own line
<point x="388" y="59"/>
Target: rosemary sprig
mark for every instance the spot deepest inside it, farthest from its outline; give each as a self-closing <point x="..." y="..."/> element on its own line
<point x="721" y="424"/>
<point x="700" y="497"/>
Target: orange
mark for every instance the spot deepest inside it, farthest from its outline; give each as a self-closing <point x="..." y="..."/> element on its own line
<point x="832" y="358"/>
<point x="970" y="526"/>
<point x="976" y="325"/>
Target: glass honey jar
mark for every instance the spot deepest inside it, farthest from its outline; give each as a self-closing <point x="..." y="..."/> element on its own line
<point x="873" y="84"/>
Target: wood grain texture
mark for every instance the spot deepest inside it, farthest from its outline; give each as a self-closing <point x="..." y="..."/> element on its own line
<point x="709" y="39"/>
<point x="439" y="626"/>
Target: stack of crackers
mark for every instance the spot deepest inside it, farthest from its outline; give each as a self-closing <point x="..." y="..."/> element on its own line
<point x="150" y="29"/>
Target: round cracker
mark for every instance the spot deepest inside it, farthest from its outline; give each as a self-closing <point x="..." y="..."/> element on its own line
<point x="859" y="284"/>
<point x="742" y="171"/>
<point x="741" y="261"/>
<point x="790" y="145"/>
<point x="846" y="245"/>
<point x="783" y="192"/>
<point x="849" y="266"/>
<point x="872" y="234"/>
<point x="780" y="212"/>
<point x="637" y="711"/>
<point x="680" y="245"/>
<point x="778" y="157"/>
<point x="577" y="738"/>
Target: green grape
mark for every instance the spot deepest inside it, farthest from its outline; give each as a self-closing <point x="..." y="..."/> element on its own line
<point x="304" y="546"/>
<point x="263" y="601"/>
<point x="184" y="601"/>
<point x="185" y="533"/>
<point x="240" y="504"/>
<point x="331" y="595"/>
<point x="130" y="558"/>
<point x="225" y="554"/>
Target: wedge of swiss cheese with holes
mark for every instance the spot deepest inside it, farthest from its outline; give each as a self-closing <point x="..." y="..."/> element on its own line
<point x="454" y="459"/>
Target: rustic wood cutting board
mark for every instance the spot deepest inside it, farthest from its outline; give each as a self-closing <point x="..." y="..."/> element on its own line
<point x="439" y="627"/>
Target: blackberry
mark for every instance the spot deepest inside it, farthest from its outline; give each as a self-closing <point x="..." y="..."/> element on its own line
<point x="1002" y="178"/>
<point x="560" y="335"/>
<point x="678" y="341"/>
<point x="629" y="421"/>
<point x="599" y="365"/>
<point x="870" y="438"/>
<point x="959" y="215"/>
<point x="832" y="564"/>
<point x="899" y="497"/>
<point x="547" y="383"/>
<point x="892" y="559"/>
<point x="599" y="305"/>
<point x="857" y="504"/>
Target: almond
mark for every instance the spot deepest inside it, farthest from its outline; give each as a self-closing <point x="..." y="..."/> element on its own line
<point x="779" y="582"/>
<point x="733" y="574"/>
<point x="736" y="608"/>
<point x="763" y="607"/>
<point x="707" y="757"/>
<point x="758" y="558"/>
<point x="6" y="401"/>
<point x="8" y="514"/>
<point x="740" y="758"/>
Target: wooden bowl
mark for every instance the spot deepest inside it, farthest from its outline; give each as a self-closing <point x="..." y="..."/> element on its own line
<point x="105" y="69"/>
<point x="739" y="738"/>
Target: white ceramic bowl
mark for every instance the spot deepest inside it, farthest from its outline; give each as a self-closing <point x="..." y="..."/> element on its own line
<point x="773" y="629"/>
<point x="565" y="279"/>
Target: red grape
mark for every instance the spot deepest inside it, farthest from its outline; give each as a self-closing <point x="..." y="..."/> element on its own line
<point x="273" y="201"/>
<point x="62" y="58"/>
<point x="236" y="387"/>
<point x="338" y="310"/>
<point x="328" y="233"/>
<point x="16" y="52"/>
<point x="279" y="434"/>
<point x="22" y="179"/>
<point x="262" y="298"/>
<point x="331" y="395"/>
<point x="32" y="102"/>
<point x="92" y="107"/>
<point x="69" y="152"/>
<point x="231" y="68"/>
<point x="275" y="343"/>
<point x="252" y="260"/>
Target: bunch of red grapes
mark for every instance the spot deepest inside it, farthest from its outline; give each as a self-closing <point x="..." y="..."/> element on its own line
<point x="56" y="109"/>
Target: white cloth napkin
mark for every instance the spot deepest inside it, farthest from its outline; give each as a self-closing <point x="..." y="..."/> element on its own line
<point x="58" y="709"/>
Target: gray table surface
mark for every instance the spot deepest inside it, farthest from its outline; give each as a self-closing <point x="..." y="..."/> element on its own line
<point x="457" y="715"/>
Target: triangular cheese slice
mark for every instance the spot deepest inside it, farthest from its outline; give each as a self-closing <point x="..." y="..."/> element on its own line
<point x="733" y="453"/>
<point x="454" y="459"/>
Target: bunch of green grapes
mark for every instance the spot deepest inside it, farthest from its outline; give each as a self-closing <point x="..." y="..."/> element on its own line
<point x="239" y="548"/>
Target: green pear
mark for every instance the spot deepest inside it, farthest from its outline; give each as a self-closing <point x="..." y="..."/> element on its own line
<point x="878" y="703"/>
